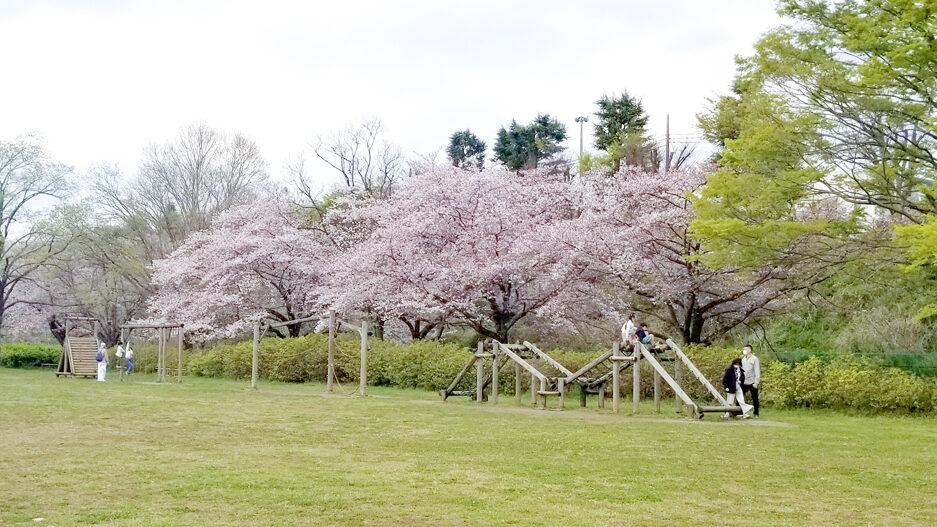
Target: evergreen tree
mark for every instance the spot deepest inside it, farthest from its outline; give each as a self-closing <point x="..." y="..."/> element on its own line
<point x="522" y="146"/>
<point x="617" y="117"/>
<point x="466" y="150"/>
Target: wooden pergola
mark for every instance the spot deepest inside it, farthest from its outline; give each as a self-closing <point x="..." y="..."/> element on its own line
<point x="164" y="332"/>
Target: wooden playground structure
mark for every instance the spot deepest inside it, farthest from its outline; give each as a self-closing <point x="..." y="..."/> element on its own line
<point x="549" y="378"/>
<point x="78" y="352"/>
<point x="164" y="334"/>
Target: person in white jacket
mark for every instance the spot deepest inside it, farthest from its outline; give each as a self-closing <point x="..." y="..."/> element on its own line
<point x="101" y="357"/>
<point x="751" y="367"/>
<point x="627" y="331"/>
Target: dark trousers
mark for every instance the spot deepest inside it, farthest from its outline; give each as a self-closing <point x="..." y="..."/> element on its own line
<point x="751" y="389"/>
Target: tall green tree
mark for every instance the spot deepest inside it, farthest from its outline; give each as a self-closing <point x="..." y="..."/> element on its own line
<point x="525" y="146"/>
<point x="466" y="150"/>
<point x="618" y="116"/>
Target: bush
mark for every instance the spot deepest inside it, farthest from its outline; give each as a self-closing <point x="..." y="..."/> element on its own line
<point x="28" y="355"/>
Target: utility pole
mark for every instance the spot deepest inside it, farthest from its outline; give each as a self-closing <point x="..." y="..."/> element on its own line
<point x="667" y="146"/>
<point x="581" y="119"/>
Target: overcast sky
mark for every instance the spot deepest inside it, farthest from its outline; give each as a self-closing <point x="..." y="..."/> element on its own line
<point x="99" y="80"/>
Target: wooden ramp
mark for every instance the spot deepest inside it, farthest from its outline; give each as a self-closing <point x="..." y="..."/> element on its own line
<point x="78" y="357"/>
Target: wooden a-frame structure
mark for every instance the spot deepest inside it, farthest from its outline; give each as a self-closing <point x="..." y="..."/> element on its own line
<point x="548" y="377"/>
<point x="78" y="357"/>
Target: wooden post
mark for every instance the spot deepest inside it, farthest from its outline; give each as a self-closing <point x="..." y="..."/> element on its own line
<point x="656" y="391"/>
<point x="363" y="375"/>
<point x="636" y="388"/>
<point x="518" y="386"/>
<point x="543" y="398"/>
<point x="582" y="396"/>
<point x="179" y="366"/>
<point x="494" y="373"/>
<point x="480" y="375"/>
<point x="161" y="347"/>
<point x="561" y="387"/>
<point x="533" y="389"/>
<point x="255" y="351"/>
<point x="616" y="378"/>
<point x="601" y="401"/>
<point x="678" y="377"/>
<point x="330" y="373"/>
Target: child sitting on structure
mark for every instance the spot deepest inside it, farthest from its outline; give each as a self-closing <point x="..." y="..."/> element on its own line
<point x="643" y="336"/>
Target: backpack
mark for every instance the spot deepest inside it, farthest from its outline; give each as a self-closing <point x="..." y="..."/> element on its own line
<point x="100" y="356"/>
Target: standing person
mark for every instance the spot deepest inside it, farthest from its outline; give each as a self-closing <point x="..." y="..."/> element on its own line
<point x="751" y="369"/>
<point x="128" y="356"/>
<point x="101" y="357"/>
<point x="732" y="381"/>
<point x="627" y="331"/>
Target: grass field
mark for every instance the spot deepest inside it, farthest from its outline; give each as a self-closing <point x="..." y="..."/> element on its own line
<point x="212" y="452"/>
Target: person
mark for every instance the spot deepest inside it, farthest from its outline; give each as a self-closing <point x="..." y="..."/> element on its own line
<point x="101" y="357"/>
<point x="732" y="381"/>
<point x="643" y="336"/>
<point x="627" y="331"/>
<point x="751" y="369"/>
<point x="128" y="356"/>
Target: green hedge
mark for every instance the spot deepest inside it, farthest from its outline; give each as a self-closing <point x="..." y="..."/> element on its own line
<point x="844" y="382"/>
<point x="28" y="354"/>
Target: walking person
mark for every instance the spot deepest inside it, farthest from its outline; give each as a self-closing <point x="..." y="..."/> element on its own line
<point x="101" y="357"/>
<point x="751" y="370"/>
<point x="128" y="356"/>
<point x="732" y="381"/>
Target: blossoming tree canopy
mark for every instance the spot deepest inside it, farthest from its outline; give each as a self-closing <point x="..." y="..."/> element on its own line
<point x="634" y="230"/>
<point x="469" y="246"/>
<point x="253" y="262"/>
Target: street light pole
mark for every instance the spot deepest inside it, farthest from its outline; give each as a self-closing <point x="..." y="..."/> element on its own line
<point x="581" y="119"/>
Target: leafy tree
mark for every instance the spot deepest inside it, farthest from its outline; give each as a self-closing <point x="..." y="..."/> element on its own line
<point x="466" y="150"/>
<point x="618" y="116"/>
<point x="522" y="146"/>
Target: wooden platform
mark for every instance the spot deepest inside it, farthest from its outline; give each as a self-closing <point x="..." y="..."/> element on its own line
<point x="78" y="357"/>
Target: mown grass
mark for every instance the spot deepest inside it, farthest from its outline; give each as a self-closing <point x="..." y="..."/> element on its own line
<point x="213" y="452"/>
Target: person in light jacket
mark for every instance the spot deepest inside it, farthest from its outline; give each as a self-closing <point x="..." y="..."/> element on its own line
<point x="627" y="331"/>
<point x="732" y="381"/>
<point x="101" y="357"/>
<point x="751" y="368"/>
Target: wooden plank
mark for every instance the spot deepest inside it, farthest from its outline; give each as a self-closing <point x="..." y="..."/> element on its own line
<point x="721" y="409"/>
<point x="666" y="376"/>
<point x="524" y="364"/>
<point x="582" y="371"/>
<point x="330" y="370"/>
<point x="699" y="375"/>
<point x="494" y="374"/>
<point x="480" y="375"/>
<point x="363" y="374"/>
<point x="616" y="379"/>
<point x="450" y="390"/>
<point x="297" y="321"/>
<point x="518" y="387"/>
<point x="255" y="352"/>
<point x="547" y="358"/>
<point x="636" y="380"/>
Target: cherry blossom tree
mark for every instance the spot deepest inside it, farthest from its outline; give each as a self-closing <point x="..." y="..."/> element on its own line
<point x="254" y="262"/>
<point x="634" y="232"/>
<point x="471" y="247"/>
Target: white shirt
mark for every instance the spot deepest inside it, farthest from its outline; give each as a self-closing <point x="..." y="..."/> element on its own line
<point x="627" y="332"/>
<point x="752" y="369"/>
<point x="128" y="353"/>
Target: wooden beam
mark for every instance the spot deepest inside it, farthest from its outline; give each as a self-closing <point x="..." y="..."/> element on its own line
<point x="616" y="379"/>
<point x="649" y="357"/>
<point x="677" y="376"/>
<point x="480" y="375"/>
<point x="330" y="370"/>
<point x="295" y="321"/>
<point x="179" y="365"/>
<point x="255" y="351"/>
<point x="547" y="358"/>
<point x="518" y="384"/>
<point x="636" y="379"/>
<point x="448" y="391"/>
<point x="585" y="369"/>
<point x="699" y="375"/>
<point x="524" y="364"/>
<point x="149" y="326"/>
<point x="363" y="375"/>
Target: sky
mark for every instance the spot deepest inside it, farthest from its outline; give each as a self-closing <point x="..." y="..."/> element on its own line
<point x="100" y="80"/>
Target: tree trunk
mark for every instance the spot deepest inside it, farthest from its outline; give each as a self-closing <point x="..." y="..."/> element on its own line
<point x="693" y="330"/>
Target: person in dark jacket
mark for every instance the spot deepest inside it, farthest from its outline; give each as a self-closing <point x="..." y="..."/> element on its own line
<point x="732" y="381"/>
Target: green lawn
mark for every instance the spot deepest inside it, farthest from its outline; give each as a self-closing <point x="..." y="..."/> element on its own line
<point x="213" y="452"/>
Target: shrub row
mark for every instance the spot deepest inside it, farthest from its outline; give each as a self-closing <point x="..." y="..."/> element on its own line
<point x="28" y="354"/>
<point x="841" y="382"/>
